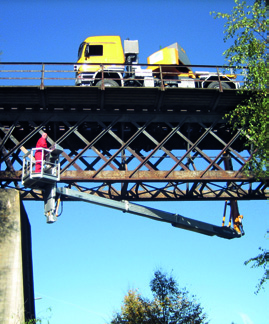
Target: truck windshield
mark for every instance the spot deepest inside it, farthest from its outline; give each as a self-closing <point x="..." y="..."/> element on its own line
<point x="80" y="50"/>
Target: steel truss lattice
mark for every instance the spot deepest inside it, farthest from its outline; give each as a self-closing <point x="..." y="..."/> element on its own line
<point x="163" y="152"/>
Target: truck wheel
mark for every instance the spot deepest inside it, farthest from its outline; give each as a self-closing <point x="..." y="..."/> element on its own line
<point x="215" y="85"/>
<point x="107" y="83"/>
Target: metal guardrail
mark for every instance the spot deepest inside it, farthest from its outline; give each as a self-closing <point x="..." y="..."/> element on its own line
<point x="23" y="73"/>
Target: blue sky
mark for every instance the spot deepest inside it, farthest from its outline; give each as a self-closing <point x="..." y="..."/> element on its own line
<point x="85" y="263"/>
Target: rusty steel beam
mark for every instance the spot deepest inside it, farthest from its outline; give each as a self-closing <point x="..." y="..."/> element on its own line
<point x="88" y="146"/>
<point x="226" y="147"/>
<point x="148" y="186"/>
<point x="159" y="195"/>
<point x="132" y="152"/>
<point x="125" y="145"/>
<point x="149" y="176"/>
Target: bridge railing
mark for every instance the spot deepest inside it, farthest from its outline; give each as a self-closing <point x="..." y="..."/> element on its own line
<point x="36" y="73"/>
<point x="63" y="74"/>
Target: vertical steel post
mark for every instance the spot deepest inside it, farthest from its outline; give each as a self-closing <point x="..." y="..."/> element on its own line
<point x="161" y="75"/>
<point x="103" y="83"/>
<point x="220" y="85"/>
<point x="42" y="76"/>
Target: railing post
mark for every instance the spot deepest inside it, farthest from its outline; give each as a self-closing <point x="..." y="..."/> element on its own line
<point x="42" y="76"/>
<point x="161" y="75"/>
<point x="103" y="84"/>
<point x="220" y="86"/>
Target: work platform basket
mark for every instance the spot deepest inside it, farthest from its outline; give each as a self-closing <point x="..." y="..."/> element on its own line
<point x="44" y="170"/>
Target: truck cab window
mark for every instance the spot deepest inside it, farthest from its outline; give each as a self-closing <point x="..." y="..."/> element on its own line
<point x="94" y="50"/>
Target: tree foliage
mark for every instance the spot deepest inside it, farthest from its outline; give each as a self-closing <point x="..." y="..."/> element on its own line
<point x="169" y="305"/>
<point x="246" y="25"/>
<point x="260" y="261"/>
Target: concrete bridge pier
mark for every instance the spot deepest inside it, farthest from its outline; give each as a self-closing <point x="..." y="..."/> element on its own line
<point x="16" y="272"/>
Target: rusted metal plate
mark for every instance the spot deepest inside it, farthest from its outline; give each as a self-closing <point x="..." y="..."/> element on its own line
<point x="149" y="176"/>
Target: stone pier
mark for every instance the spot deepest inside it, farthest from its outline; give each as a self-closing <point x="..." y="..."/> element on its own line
<point x="16" y="272"/>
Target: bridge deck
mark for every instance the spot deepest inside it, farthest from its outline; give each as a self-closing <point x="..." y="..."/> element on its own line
<point x="149" y="99"/>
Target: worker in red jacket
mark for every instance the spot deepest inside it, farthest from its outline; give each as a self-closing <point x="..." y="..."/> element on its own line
<point x="42" y="142"/>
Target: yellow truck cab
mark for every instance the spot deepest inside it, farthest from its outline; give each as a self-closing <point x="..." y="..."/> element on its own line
<point x="103" y="57"/>
<point x="102" y="51"/>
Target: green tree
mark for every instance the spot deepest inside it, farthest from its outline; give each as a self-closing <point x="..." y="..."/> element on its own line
<point x="169" y="305"/>
<point x="260" y="261"/>
<point x="246" y="25"/>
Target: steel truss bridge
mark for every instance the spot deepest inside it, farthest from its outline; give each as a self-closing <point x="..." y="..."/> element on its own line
<point x="130" y="144"/>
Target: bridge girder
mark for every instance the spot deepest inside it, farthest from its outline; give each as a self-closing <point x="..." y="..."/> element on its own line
<point x="131" y="143"/>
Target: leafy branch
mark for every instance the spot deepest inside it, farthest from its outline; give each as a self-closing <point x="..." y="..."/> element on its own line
<point x="260" y="261"/>
<point x="246" y="25"/>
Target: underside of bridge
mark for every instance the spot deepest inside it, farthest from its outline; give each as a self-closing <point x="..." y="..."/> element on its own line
<point x="130" y="144"/>
<point x="127" y="144"/>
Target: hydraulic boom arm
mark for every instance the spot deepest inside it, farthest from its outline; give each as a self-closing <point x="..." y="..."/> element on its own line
<point x="155" y="214"/>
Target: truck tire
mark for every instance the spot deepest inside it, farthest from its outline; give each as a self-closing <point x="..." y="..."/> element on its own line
<point x="215" y="85"/>
<point x="107" y="83"/>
